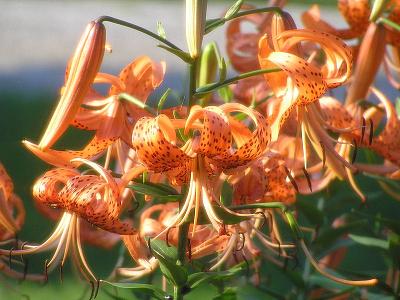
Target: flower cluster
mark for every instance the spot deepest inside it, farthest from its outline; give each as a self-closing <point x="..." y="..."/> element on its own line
<point x="151" y="174"/>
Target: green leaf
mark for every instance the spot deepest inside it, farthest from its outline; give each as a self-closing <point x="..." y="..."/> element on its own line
<point x="163" y="98"/>
<point x="313" y="214"/>
<point x="228" y="294"/>
<point x="159" y="190"/>
<point x="398" y="106"/>
<point x="196" y="279"/>
<point x="161" y="30"/>
<point x="233" y="9"/>
<point x="167" y="257"/>
<point x="226" y="94"/>
<point x="370" y="241"/>
<point x="329" y="236"/>
<point x="147" y="289"/>
<point x="179" y="53"/>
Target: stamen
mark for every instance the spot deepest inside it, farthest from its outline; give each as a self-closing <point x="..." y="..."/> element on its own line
<point x="189" y="245"/>
<point x="247" y="265"/>
<point x="26" y="264"/>
<point x="242" y="238"/>
<point x="362" y="130"/>
<point x="92" y="292"/>
<point x="369" y="282"/>
<point x="353" y="159"/>
<point x="46" y="268"/>
<point x="97" y="288"/>
<point x="264" y="218"/>
<point x="371" y="131"/>
<point x="308" y="179"/>
<point x="149" y="246"/>
<point x="9" y="258"/>
<point x="167" y="237"/>
<point x="61" y="273"/>
<point x="323" y="154"/>
<point x="292" y="181"/>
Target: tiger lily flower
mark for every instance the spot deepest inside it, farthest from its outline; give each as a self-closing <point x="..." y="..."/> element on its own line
<point x="85" y="64"/>
<point x="265" y="180"/>
<point x="12" y="211"/>
<point x="89" y="234"/>
<point x="109" y="116"/>
<point x="12" y="217"/>
<point x="302" y="83"/>
<point x="89" y="197"/>
<point x="355" y="12"/>
<point x="242" y="50"/>
<point x="208" y="153"/>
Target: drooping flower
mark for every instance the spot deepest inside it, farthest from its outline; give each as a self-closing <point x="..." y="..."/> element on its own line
<point x="220" y="144"/>
<point x="242" y="49"/>
<point x="94" y="198"/>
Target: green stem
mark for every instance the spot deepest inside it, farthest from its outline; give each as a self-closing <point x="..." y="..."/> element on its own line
<point x="219" y="22"/>
<point x="390" y="23"/>
<point x="178" y="293"/>
<point x="215" y="86"/>
<point x="138" y="28"/>
<point x="279" y="205"/>
<point x="137" y="102"/>
<point x="192" y="82"/>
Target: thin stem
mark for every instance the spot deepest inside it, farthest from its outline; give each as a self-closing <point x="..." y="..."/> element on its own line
<point x="138" y="28"/>
<point x="177" y="293"/>
<point x="137" y="102"/>
<point x="192" y="82"/>
<point x="215" y="86"/>
<point x="279" y="205"/>
<point x="219" y="22"/>
<point x="182" y="242"/>
<point x="390" y="23"/>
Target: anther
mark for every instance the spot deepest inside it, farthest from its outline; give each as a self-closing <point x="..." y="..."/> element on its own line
<point x="46" y="269"/>
<point x="149" y="246"/>
<point x="323" y="154"/>
<point x="308" y="179"/>
<point x="292" y="181"/>
<point x="362" y="130"/>
<point x="353" y="159"/>
<point x="371" y="131"/>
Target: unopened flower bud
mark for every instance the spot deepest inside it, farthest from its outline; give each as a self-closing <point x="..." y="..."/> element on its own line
<point x="195" y="24"/>
<point x="84" y="66"/>
<point x="369" y="59"/>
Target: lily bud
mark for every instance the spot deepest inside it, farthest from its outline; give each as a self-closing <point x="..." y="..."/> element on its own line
<point x="195" y="24"/>
<point x="377" y="9"/>
<point x="84" y="66"/>
<point x="279" y="24"/>
<point x="369" y="58"/>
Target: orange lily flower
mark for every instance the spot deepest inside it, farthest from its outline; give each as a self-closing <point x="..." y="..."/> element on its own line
<point x="89" y="197"/>
<point x="265" y="180"/>
<point x="110" y="117"/>
<point x="12" y="211"/>
<point x="355" y="12"/>
<point x="302" y="83"/>
<point x="242" y="48"/>
<point x="206" y="154"/>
